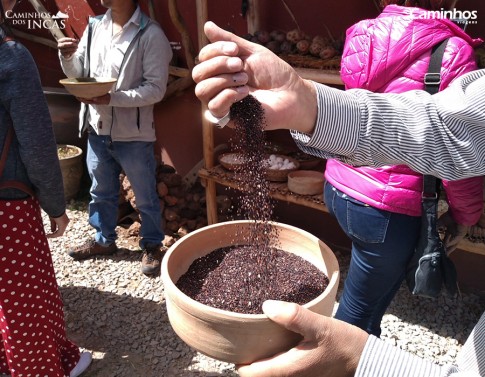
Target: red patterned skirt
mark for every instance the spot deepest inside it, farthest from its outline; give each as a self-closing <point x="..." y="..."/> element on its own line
<point x="33" y="336"/>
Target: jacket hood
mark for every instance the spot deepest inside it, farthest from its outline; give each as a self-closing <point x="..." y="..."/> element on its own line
<point x="378" y="50"/>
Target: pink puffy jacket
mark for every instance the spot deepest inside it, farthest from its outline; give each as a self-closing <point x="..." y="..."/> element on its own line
<point x="391" y="53"/>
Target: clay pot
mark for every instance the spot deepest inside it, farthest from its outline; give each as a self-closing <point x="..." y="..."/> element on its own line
<point x="71" y="168"/>
<point x="64" y="111"/>
<point x="234" y="337"/>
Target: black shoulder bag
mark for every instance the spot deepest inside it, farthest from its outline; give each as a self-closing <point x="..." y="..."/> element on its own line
<point x="430" y="268"/>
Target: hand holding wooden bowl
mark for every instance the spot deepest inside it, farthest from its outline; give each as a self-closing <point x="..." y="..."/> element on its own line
<point x="229" y="336"/>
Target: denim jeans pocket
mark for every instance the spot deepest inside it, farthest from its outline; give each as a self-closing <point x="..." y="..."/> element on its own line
<point x="366" y="223"/>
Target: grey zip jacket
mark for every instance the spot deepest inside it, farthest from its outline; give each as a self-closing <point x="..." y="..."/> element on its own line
<point x="142" y="80"/>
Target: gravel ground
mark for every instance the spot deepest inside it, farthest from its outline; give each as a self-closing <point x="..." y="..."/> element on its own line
<point x="118" y="314"/>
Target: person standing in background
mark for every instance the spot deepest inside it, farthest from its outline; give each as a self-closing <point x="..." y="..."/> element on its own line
<point x="379" y="209"/>
<point x="32" y="329"/>
<point x="125" y="44"/>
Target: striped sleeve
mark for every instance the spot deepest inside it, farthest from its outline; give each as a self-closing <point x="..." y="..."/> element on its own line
<point x="381" y="359"/>
<point x="442" y="135"/>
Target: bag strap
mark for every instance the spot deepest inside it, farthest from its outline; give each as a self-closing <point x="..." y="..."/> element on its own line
<point x="432" y="81"/>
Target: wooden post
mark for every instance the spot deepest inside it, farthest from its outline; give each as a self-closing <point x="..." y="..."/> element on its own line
<point x="253" y="18"/>
<point x="207" y="127"/>
<point x="202" y="17"/>
<point x="54" y="30"/>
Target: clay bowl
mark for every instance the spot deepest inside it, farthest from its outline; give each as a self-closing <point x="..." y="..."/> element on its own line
<point x="234" y="337"/>
<point x="306" y="182"/>
<point x="88" y="87"/>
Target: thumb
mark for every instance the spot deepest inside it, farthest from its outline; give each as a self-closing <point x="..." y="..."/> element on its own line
<point x="293" y="317"/>
<point x="216" y="34"/>
<point x="292" y="362"/>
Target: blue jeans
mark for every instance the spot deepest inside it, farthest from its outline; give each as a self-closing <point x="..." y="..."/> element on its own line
<point x="382" y="244"/>
<point x="105" y="161"/>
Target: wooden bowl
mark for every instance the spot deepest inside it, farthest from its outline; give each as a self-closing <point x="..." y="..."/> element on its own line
<point x="306" y="182"/>
<point x="229" y="336"/>
<point x="230" y="161"/>
<point x="88" y="87"/>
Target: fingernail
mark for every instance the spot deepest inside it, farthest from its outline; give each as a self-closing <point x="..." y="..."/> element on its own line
<point x="240" y="78"/>
<point x="273" y="308"/>
<point x="234" y="63"/>
<point x="229" y="48"/>
<point x="242" y="89"/>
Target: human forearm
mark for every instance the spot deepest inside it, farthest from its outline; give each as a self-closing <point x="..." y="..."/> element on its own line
<point x="72" y="67"/>
<point x="72" y="55"/>
<point x="413" y="128"/>
<point x="382" y="359"/>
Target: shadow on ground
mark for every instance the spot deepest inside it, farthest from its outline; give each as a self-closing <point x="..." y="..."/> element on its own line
<point x="128" y="336"/>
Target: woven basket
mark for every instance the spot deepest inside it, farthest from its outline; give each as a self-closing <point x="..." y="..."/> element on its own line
<point x="277" y="175"/>
<point x="306" y="161"/>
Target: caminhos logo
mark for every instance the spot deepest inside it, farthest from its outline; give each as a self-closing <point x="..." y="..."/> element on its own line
<point x="35" y="20"/>
<point x="465" y="16"/>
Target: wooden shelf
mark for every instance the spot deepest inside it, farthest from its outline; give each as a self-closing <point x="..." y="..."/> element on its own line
<point x="279" y="190"/>
<point x="472" y="247"/>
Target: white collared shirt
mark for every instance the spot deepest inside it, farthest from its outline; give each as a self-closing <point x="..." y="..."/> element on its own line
<point x="107" y="53"/>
